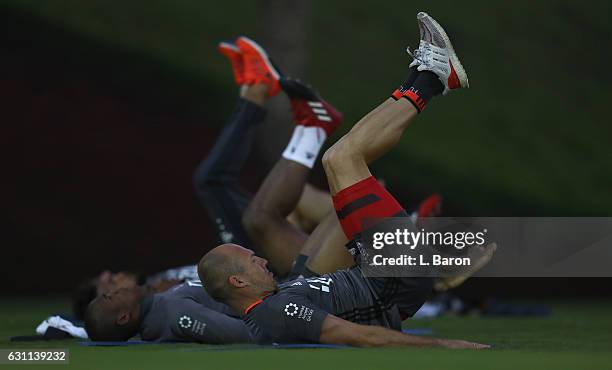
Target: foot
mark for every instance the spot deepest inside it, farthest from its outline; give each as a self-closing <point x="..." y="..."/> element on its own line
<point x="436" y="54"/>
<point x="308" y="108"/>
<point x="479" y="256"/>
<point x="231" y="51"/>
<point x="258" y="67"/>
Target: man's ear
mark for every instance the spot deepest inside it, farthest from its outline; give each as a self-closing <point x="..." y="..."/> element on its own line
<point x="123" y="318"/>
<point x="237" y="281"/>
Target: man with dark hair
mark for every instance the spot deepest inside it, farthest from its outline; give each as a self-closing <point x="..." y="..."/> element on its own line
<point x="115" y="317"/>
<point x="108" y="281"/>
<point x="346" y="307"/>
<point x="183" y="313"/>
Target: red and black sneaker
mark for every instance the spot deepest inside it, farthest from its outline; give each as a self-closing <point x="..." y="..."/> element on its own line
<point x="308" y="108"/>
<point x="231" y="52"/>
<point x="258" y="68"/>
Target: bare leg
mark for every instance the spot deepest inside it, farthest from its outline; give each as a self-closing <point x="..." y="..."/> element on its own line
<point x="257" y="93"/>
<point x="314" y="205"/>
<point x="266" y="217"/>
<point x="346" y="162"/>
<point x="325" y="247"/>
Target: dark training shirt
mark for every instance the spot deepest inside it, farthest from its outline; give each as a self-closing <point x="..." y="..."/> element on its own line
<point x="295" y="312"/>
<point x="186" y="313"/>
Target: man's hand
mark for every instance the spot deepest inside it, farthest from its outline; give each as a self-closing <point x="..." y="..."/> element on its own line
<point x="462" y="344"/>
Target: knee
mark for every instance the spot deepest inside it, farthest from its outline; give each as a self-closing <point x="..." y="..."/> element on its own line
<point x="338" y="154"/>
<point x="255" y="222"/>
<point x="328" y="159"/>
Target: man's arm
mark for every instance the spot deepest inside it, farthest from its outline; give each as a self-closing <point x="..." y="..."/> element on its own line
<point x="193" y="322"/>
<point x="338" y="331"/>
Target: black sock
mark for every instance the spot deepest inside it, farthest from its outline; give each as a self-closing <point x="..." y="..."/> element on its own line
<point x="419" y="88"/>
<point x="412" y="76"/>
<point x="427" y="85"/>
<point x="299" y="265"/>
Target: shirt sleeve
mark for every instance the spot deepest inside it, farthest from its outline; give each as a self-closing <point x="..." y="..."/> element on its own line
<point x="194" y="322"/>
<point x="300" y="320"/>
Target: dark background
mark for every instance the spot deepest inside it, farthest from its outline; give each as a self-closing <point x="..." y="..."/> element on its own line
<point x="108" y="107"/>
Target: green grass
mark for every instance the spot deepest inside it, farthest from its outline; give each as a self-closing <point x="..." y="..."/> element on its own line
<point x="530" y="137"/>
<point x="576" y="336"/>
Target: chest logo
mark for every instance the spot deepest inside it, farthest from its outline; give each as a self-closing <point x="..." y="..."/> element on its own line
<point x="291" y="309"/>
<point x="185" y="322"/>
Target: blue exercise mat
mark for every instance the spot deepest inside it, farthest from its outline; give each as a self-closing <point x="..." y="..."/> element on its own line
<point x="413" y="331"/>
<point x="132" y="342"/>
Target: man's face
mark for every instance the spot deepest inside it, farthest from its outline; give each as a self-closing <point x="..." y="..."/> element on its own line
<point x="255" y="270"/>
<point x="120" y="301"/>
<point x="111" y="281"/>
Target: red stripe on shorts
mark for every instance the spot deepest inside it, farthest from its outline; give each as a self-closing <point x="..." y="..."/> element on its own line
<point x="363" y="202"/>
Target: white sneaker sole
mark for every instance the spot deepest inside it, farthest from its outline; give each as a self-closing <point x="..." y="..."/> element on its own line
<point x="461" y="74"/>
<point x="228" y="45"/>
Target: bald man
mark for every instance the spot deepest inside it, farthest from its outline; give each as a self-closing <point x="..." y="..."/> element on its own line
<point x="346" y="307"/>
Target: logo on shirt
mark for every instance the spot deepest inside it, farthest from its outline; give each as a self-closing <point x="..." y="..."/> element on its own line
<point x="185" y="322"/>
<point x="305" y="313"/>
<point x="291" y="309"/>
<point x="198" y="327"/>
<point x="302" y="312"/>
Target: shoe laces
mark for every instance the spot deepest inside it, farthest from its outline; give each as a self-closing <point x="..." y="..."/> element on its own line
<point x="420" y="54"/>
<point x="426" y="54"/>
